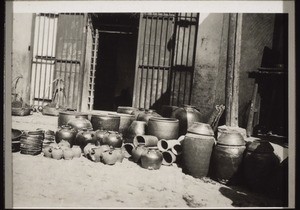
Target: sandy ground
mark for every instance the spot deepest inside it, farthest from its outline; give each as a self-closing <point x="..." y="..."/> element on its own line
<point x="45" y="182"/>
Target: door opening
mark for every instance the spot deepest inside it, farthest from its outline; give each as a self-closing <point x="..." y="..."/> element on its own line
<point x="116" y="59"/>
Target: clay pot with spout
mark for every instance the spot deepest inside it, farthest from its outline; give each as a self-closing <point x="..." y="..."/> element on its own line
<point x="66" y="132"/>
<point x="84" y="137"/>
<point x="151" y="159"/>
<point x="137" y="152"/>
<point x="109" y="157"/>
<point x="113" y="138"/>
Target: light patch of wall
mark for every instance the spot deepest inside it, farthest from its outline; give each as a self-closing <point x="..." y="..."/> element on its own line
<point x="21" y="55"/>
<point x="209" y="76"/>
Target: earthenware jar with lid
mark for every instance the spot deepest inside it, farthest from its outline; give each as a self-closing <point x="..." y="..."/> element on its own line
<point x="151" y="158"/>
<point x="227" y="157"/>
<point x="197" y="147"/>
<point x="186" y="115"/>
<point x="99" y="136"/>
<point x="259" y="165"/>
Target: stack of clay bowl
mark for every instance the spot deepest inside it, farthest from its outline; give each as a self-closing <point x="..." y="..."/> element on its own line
<point x="48" y="138"/>
<point x="32" y="142"/>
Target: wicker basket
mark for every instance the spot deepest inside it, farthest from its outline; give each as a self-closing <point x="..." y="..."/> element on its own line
<point x="32" y="142"/>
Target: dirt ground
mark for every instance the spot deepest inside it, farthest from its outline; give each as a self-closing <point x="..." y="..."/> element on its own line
<point x="43" y="182"/>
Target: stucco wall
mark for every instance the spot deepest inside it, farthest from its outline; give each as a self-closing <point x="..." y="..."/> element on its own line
<point x="21" y="54"/>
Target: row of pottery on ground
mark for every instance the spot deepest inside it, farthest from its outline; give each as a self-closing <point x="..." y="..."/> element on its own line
<point x="228" y="160"/>
<point x="62" y="150"/>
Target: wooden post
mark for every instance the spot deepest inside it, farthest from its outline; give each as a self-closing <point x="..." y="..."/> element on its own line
<point x="232" y="69"/>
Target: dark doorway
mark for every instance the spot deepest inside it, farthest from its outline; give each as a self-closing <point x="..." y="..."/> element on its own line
<point x="116" y="59"/>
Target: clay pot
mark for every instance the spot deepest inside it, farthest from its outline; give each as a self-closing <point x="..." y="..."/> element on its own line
<point x="125" y="122"/>
<point x="109" y="157"/>
<point x="151" y="159"/>
<point x="168" y="158"/>
<point x="96" y="153"/>
<point x="127" y="149"/>
<point x="48" y="151"/>
<point x="80" y="122"/>
<point x="137" y="152"/>
<point x="196" y="152"/>
<point x="64" y="143"/>
<point x="66" y="132"/>
<point x="125" y="109"/>
<point x="259" y="165"/>
<point x="110" y="122"/>
<point x="68" y="154"/>
<point x="227" y="158"/>
<point x="186" y="115"/>
<point x="120" y="154"/>
<point x="87" y="149"/>
<point x="84" y="137"/>
<point x="136" y="128"/>
<point x="113" y="139"/>
<point x="99" y="136"/>
<point x="167" y="110"/>
<point x="57" y="153"/>
<point x="146" y="115"/>
<point x="146" y="140"/>
<point x="65" y="116"/>
<point x="76" y="151"/>
<point x="163" y="128"/>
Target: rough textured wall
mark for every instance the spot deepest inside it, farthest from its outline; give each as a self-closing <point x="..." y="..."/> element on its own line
<point x="209" y="76"/>
<point x="21" y="65"/>
<point x="257" y="32"/>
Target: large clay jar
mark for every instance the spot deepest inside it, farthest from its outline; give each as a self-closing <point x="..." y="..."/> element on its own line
<point x="65" y="116"/>
<point x="125" y="122"/>
<point x="197" y="148"/>
<point x="137" y="152"/>
<point x="151" y="159"/>
<point x="113" y="139"/>
<point x="110" y="122"/>
<point x="67" y="133"/>
<point x="109" y="157"/>
<point x="259" y="165"/>
<point x="80" y="122"/>
<point x="136" y="128"/>
<point x="227" y="158"/>
<point x="186" y="115"/>
<point x="99" y="136"/>
<point x="146" y="115"/>
<point x="125" y="109"/>
<point x="163" y="128"/>
<point x="84" y="137"/>
<point x="167" y="110"/>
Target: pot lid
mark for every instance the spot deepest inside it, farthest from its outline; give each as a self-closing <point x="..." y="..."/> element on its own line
<point x="201" y="129"/>
<point x="231" y="138"/>
<point x="260" y="146"/>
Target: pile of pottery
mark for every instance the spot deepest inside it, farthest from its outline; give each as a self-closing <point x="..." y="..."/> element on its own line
<point x="62" y="150"/>
<point x="49" y="137"/>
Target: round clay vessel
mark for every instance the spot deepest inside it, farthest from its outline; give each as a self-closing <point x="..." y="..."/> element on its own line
<point x="57" y="153"/>
<point x="163" y="128"/>
<point x="113" y="138"/>
<point x="48" y="151"/>
<point x="110" y="122"/>
<point x="109" y="157"/>
<point x="151" y="159"/>
<point x="66" y="132"/>
<point x="65" y="116"/>
<point x="99" y="136"/>
<point x="80" y="122"/>
<point x="84" y="137"/>
<point x="68" y="154"/>
<point x="76" y="151"/>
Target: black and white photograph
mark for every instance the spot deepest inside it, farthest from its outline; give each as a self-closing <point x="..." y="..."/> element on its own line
<point x="149" y="104"/>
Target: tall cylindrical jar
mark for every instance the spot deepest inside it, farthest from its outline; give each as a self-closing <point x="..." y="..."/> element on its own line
<point x="260" y="164"/>
<point x="186" y="115"/>
<point x="197" y="148"/>
<point x="227" y="158"/>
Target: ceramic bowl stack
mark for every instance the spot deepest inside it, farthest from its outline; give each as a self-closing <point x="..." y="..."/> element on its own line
<point x="49" y="138"/>
<point x="32" y="142"/>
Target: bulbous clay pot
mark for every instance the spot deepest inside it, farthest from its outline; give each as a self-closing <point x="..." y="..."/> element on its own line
<point x="57" y="153"/>
<point x="137" y="152"/>
<point x="48" y="151"/>
<point x="186" y="115"/>
<point x="79" y="123"/>
<point x="151" y="159"/>
<point x="163" y="128"/>
<point x="99" y="136"/>
<point x="76" y="151"/>
<point x="66" y="132"/>
<point x="147" y="114"/>
<point x="84" y="137"/>
<point x="113" y="139"/>
<point x="68" y="154"/>
<point x="87" y="148"/>
<point x="109" y="157"/>
<point x="65" y="116"/>
<point x="96" y="153"/>
<point x="110" y="122"/>
<point x="136" y="128"/>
